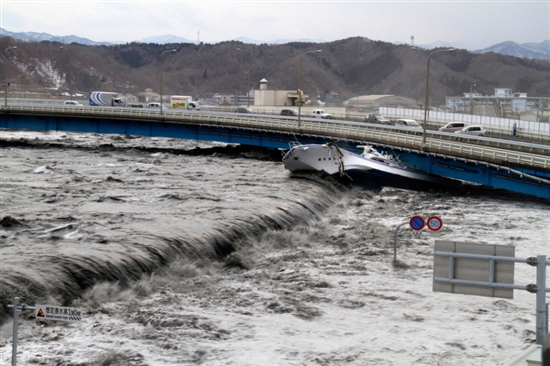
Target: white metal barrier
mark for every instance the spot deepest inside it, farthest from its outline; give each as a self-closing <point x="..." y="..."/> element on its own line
<point x="504" y="126"/>
<point x="490" y="150"/>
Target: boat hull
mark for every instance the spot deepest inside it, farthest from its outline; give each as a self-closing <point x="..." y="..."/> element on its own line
<point x="360" y="170"/>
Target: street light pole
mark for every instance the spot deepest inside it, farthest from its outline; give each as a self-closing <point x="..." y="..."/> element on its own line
<point x="248" y="85"/>
<point x="471" y="102"/>
<point x="68" y="73"/>
<point x="427" y="92"/>
<point x="6" y="76"/>
<point x="300" y="91"/>
<point x="161" y="67"/>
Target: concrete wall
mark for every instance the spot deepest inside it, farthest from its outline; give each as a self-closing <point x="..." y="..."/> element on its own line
<point x="273" y="98"/>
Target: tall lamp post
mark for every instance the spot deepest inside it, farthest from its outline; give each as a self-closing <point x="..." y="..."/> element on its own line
<point x="300" y="91"/>
<point x="68" y="73"/>
<point x="161" y="67"/>
<point x="427" y="91"/>
<point x="248" y="85"/>
<point x="6" y="76"/>
<point x="471" y="98"/>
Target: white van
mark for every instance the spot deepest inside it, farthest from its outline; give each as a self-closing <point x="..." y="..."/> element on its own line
<point x="453" y="126"/>
<point x="407" y="123"/>
<point x="320" y="113"/>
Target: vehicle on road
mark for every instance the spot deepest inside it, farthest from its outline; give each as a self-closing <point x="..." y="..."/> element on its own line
<point x="184" y="102"/>
<point x="103" y="99"/>
<point x="153" y="105"/>
<point x="243" y="110"/>
<point x="72" y="102"/>
<point x="195" y="105"/>
<point x="407" y="123"/>
<point x="376" y="118"/>
<point x="320" y="113"/>
<point x="135" y="105"/>
<point x="289" y="112"/>
<point x="474" y="130"/>
<point x="453" y="126"/>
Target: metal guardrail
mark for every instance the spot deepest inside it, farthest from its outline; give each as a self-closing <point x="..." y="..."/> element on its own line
<point x="490" y="150"/>
<point x="524" y="128"/>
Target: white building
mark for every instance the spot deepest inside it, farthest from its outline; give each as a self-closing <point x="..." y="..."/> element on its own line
<point x="504" y="101"/>
<point x="266" y="97"/>
<point x="376" y="101"/>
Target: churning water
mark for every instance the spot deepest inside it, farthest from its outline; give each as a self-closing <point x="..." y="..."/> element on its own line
<point x="184" y="252"/>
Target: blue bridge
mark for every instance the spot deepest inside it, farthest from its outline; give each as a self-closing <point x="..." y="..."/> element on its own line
<point x="511" y="165"/>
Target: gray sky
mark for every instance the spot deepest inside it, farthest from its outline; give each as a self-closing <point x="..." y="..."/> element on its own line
<point x="467" y="24"/>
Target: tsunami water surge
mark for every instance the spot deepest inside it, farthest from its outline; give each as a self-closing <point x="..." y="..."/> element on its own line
<point x="185" y="253"/>
<point x="119" y="213"/>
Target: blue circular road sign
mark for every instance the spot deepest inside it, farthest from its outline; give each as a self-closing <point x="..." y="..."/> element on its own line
<point x="417" y="223"/>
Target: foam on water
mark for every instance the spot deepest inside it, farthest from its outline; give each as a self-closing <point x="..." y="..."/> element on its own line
<point x="220" y="257"/>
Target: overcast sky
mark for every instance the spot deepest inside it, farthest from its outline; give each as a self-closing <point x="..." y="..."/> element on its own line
<point x="468" y="24"/>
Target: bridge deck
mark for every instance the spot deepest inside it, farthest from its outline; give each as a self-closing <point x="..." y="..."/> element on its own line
<point x="443" y="153"/>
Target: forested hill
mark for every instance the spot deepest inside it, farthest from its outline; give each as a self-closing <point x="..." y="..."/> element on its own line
<point x="350" y="67"/>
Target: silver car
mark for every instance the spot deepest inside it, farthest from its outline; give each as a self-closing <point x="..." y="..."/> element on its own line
<point x="453" y="126"/>
<point x="474" y="130"/>
<point x="407" y="123"/>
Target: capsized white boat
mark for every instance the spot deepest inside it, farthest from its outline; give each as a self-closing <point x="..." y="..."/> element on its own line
<point x="371" y="168"/>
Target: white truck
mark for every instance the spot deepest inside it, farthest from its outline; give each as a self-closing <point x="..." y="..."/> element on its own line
<point x="320" y="113"/>
<point x="106" y="99"/>
<point x="183" y="102"/>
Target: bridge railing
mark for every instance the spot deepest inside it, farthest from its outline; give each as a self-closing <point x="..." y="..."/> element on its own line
<point x="503" y="126"/>
<point x="492" y="150"/>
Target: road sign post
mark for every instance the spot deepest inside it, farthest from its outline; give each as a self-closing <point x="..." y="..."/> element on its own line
<point x="434" y="223"/>
<point x="63" y="313"/>
<point x="395" y="240"/>
<point x="46" y="312"/>
<point x="488" y="270"/>
<point x="417" y="223"/>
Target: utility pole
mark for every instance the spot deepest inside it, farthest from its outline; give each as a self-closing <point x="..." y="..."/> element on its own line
<point x="6" y="75"/>
<point x="471" y="98"/>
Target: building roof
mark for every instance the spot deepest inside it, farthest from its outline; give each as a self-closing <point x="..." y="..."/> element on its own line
<point x="371" y="97"/>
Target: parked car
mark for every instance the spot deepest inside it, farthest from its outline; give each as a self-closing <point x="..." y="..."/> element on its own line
<point x="474" y="130"/>
<point x="153" y="105"/>
<point x="376" y="118"/>
<point x="320" y="113"/>
<point x="407" y="123"/>
<point x="243" y="110"/>
<point x="289" y="112"/>
<point x="453" y="126"/>
<point x="72" y="102"/>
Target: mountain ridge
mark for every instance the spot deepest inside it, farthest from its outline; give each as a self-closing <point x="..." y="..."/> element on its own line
<point x="351" y="67"/>
<point x="524" y="50"/>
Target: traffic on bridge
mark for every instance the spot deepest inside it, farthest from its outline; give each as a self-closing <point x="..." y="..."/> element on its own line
<point x="505" y="163"/>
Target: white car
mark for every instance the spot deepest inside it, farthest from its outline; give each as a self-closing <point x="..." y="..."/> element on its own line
<point x="407" y="123"/>
<point x="474" y="130"/>
<point x="73" y="103"/>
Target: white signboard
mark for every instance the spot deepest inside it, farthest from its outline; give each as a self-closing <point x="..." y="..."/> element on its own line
<point x="51" y="312"/>
<point x="474" y="270"/>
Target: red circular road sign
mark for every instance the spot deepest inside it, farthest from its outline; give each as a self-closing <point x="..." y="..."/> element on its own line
<point x="434" y="223"/>
<point x="417" y="223"/>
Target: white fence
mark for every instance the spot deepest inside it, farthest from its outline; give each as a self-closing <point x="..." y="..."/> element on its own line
<point x="503" y="126"/>
<point x="484" y="149"/>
